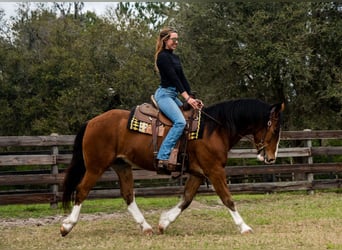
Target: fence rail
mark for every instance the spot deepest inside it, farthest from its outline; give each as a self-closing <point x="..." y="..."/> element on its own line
<point x="285" y="177"/>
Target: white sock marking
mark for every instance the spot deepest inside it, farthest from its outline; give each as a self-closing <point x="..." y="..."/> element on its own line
<point x="72" y="219"/>
<point x="170" y="216"/>
<point x="138" y="216"/>
<point x="244" y="228"/>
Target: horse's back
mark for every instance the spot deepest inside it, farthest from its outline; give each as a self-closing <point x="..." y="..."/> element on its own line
<point x="108" y="137"/>
<point x="113" y="118"/>
<point x="107" y="126"/>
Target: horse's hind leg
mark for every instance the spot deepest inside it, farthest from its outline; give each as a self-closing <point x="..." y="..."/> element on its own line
<point x="218" y="179"/>
<point x="82" y="191"/>
<point x="124" y="172"/>
<point x="190" y="190"/>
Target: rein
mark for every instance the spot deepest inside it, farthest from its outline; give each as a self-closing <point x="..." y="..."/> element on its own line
<point x="259" y="146"/>
<point x="212" y="118"/>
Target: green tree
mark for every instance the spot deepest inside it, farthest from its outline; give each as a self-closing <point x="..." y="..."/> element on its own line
<point x="325" y="62"/>
<point x="264" y="50"/>
<point x="60" y="66"/>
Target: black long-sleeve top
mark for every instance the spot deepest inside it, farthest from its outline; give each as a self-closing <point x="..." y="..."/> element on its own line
<point x="171" y="71"/>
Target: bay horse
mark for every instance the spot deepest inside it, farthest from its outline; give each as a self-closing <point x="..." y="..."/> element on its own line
<point x="105" y="141"/>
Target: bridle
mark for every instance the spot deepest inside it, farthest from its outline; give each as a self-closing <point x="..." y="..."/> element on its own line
<point x="261" y="145"/>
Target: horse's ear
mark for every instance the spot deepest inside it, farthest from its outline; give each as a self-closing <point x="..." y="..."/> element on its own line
<point x="277" y="108"/>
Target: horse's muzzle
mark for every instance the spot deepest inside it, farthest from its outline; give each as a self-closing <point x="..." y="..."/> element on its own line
<point x="262" y="157"/>
<point x="269" y="161"/>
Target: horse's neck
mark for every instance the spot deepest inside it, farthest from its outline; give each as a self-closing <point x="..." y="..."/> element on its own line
<point x="241" y="132"/>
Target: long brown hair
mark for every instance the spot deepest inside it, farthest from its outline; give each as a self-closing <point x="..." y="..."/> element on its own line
<point x="164" y="34"/>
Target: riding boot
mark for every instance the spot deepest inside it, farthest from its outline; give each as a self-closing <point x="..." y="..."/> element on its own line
<point x="162" y="167"/>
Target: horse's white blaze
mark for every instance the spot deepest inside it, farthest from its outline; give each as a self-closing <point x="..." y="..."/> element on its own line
<point x="170" y="216"/>
<point x="138" y="216"/>
<point x="244" y="228"/>
<point x="276" y="152"/>
<point x="72" y="219"/>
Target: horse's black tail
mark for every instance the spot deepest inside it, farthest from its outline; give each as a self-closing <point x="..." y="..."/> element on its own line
<point x="75" y="171"/>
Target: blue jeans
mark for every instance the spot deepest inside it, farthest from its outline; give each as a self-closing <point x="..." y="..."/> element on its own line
<point x="169" y="104"/>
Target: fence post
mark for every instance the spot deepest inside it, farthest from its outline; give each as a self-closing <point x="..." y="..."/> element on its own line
<point x="310" y="176"/>
<point x="54" y="170"/>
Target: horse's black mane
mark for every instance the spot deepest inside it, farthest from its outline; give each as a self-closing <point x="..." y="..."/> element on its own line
<point x="237" y="115"/>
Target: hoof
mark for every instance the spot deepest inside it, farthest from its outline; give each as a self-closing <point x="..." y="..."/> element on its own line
<point x="63" y="231"/>
<point x="248" y="231"/>
<point x="161" y="229"/>
<point x="148" y="232"/>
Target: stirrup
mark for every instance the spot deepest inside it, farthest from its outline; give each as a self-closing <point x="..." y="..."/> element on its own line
<point x="169" y="166"/>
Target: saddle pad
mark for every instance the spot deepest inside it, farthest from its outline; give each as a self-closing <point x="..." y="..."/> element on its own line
<point x="143" y="124"/>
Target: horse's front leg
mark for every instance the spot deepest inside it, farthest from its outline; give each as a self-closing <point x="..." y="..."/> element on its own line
<point x="190" y="190"/>
<point x="125" y="175"/>
<point x="139" y="218"/>
<point x="217" y="177"/>
<point x="243" y="227"/>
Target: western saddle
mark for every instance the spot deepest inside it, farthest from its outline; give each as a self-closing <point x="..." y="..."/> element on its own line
<point x="147" y="118"/>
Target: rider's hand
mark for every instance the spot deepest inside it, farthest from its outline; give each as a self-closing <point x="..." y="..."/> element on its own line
<point x="200" y="104"/>
<point x="195" y="103"/>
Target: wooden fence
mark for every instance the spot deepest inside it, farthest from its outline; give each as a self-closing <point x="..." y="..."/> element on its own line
<point x="53" y="153"/>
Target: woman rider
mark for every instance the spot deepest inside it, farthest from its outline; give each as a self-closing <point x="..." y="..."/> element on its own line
<point x="172" y="82"/>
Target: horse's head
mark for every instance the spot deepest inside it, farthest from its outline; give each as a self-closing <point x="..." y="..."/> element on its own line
<point x="267" y="139"/>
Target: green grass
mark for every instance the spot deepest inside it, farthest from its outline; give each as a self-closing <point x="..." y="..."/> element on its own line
<point x="118" y="204"/>
<point x="280" y="221"/>
<point x="89" y="206"/>
<point x="113" y="205"/>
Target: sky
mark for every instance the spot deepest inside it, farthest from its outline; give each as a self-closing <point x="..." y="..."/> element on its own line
<point x="98" y="7"/>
